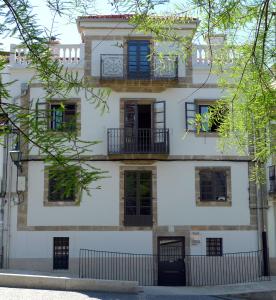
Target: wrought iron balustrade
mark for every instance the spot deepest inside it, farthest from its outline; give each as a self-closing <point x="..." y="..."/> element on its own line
<point x="137" y="141"/>
<point x="200" y="270"/>
<point x="117" y="66"/>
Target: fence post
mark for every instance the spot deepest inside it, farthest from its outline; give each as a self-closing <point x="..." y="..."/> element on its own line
<point x="265" y="255"/>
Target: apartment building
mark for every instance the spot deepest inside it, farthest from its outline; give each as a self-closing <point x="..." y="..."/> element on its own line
<point x="168" y="187"/>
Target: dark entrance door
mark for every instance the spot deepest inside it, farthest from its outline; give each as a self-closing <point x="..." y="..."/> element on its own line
<point x="171" y="264"/>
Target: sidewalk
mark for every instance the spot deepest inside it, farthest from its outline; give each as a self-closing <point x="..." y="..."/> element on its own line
<point x="218" y="290"/>
<point x="50" y="281"/>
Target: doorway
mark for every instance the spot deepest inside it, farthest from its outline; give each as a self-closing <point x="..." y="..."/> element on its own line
<point x="171" y="261"/>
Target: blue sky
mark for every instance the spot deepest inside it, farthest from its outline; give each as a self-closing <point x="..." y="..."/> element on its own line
<point x="67" y="32"/>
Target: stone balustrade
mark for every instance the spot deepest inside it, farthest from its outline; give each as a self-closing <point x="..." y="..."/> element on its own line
<point x="69" y="55"/>
<point x="72" y="55"/>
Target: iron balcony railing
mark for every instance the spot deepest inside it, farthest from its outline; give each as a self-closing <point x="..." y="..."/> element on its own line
<point x="118" y="66"/>
<point x="137" y="141"/>
<point x="195" y="270"/>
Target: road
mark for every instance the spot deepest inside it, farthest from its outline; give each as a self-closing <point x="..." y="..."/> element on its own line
<point x="31" y="294"/>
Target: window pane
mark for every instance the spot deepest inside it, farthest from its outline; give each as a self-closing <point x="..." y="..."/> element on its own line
<point x="145" y="211"/>
<point x="58" y="187"/>
<point x="220" y="184"/>
<point x="206" y="186"/>
<point x="138" y="193"/>
<point x="130" y="184"/>
<point x="214" y="246"/>
<point x="70" y="120"/>
<point x="130" y="211"/>
<point x="56" y="117"/>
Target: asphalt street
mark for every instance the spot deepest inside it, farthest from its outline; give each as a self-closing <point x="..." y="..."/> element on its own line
<point x="32" y="294"/>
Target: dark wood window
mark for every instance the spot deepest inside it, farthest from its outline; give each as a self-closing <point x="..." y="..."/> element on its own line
<point x="138" y="198"/>
<point x="60" y="186"/>
<point x="214" y="247"/>
<point x="213" y="185"/>
<point x="63" y="117"/>
<point x="138" y="59"/>
<point x="272" y="179"/>
<point x="209" y="123"/>
<point x="61" y="253"/>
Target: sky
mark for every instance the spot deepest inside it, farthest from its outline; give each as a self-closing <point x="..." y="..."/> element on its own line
<point x="66" y="32"/>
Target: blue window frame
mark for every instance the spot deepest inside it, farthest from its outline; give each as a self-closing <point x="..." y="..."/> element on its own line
<point x="138" y="59"/>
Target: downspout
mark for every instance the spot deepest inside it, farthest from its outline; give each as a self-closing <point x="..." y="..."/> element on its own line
<point x="8" y="219"/>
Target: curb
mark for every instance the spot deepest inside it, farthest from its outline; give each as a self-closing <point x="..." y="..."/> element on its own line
<point x="68" y="283"/>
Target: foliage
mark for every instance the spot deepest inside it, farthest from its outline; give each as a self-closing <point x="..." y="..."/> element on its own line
<point x="62" y="150"/>
<point x="243" y="64"/>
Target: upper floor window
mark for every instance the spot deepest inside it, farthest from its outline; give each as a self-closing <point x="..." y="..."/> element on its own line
<point x="63" y="117"/>
<point x="213" y="186"/>
<point x="214" y="247"/>
<point x="60" y="186"/>
<point x="139" y="65"/>
<point x="138" y="198"/>
<point x="204" y="109"/>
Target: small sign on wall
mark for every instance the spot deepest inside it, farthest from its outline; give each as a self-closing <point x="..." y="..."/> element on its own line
<point x="195" y="238"/>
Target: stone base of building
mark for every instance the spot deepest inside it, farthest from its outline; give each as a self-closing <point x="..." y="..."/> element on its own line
<point x="44" y="265"/>
<point x="273" y="266"/>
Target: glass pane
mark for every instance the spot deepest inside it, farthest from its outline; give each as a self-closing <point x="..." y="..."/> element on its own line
<point x="145" y="176"/>
<point x="145" y="189"/>
<point x="220" y="184"/>
<point x="56" y="117"/>
<point x="206" y="186"/>
<point x="145" y="211"/>
<point x="130" y="201"/>
<point x="130" y="210"/>
<point x="130" y="184"/>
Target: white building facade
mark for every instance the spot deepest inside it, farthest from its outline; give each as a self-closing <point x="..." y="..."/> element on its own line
<point x="166" y="184"/>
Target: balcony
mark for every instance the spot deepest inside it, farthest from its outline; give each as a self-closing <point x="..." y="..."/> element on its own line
<point x="69" y="55"/>
<point x="137" y="141"/>
<point x="119" y="66"/>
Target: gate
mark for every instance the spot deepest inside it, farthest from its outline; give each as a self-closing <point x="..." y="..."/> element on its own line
<point x="171" y="264"/>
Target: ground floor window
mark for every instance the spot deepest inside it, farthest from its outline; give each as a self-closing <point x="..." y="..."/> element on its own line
<point x="61" y="253"/>
<point x="214" y="246"/>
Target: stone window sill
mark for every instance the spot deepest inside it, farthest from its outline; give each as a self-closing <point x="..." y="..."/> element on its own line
<point x="60" y="203"/>
<point x="207" y="134"/>
<point x="227" y="203"/>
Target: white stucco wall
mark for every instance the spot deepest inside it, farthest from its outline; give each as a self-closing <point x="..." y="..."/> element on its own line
<point x="99" y="209"/>
<point x="94" y="125"/>
<point x="175" y="198"/>
<point x="233" y="241"/>
<point x="177" y="201"/>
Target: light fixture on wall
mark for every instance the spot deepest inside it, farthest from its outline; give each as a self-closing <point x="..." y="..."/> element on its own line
<point x="16" y="156"/>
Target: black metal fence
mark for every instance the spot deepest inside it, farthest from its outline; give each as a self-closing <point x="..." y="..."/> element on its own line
<point x="141" y="141"/>
<point x="116" y="66"/>
<point x="147" y="269"/>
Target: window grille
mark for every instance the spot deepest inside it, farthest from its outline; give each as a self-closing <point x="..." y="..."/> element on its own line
<point x="59" y="189"/>
<point x="61" y="253"/>
<point x="214" y="246"/>
<point x="213" y="185"/>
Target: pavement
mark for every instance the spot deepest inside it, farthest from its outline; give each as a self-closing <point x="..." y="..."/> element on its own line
<point x="31" y="294"/>
<point x="261" y="290"/>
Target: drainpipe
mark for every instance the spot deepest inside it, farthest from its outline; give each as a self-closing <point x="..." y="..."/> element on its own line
<point x="3" y="197"/>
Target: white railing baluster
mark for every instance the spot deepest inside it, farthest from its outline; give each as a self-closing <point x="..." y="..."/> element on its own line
<point x="71" y="55"/>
